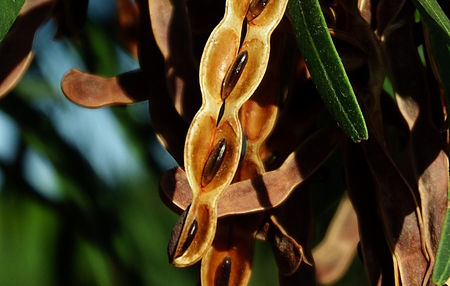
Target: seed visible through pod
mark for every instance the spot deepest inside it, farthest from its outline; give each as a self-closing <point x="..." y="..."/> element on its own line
<point x="190" y="237"/>
<point x="233" y="74"/>
<point x="255" y="8"/>
<point x="214" y="161"/>
<point x="270" y="159"/>
<point x="176" y="232"/>
<point x="223" y="272"/>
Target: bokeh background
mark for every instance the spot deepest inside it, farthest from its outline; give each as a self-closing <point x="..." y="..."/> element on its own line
<point x="78" y="187"/>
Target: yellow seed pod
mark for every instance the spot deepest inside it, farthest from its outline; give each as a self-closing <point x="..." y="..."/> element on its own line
<point x="214" y="140"/>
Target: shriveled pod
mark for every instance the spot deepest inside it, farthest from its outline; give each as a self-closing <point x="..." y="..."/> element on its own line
<point x="172" y="34"/>
<point x="334" y="254"/>
<point x="428" y="167"/>
<point x="208" y="128"/>
<point x="402" y="223"/>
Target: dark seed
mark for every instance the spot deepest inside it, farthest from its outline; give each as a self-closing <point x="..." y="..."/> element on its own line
<point x="223" y="273"/>
<point x="255" y="8"/>
<point x="214" y="161"/>
<point x="190" y="237"/>
<point x="233" y="74"/>
<point x="175" y="236"/>
<point x="270" y="159"/>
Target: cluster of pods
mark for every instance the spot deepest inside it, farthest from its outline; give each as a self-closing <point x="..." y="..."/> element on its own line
<point x="231" y="98"/>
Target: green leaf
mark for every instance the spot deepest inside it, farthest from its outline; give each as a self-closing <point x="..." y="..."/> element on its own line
<point x="441" y="271"/>
<point x="433" y="16"/>
<point x="9" y="9"/>
<point x="326" y="68"/>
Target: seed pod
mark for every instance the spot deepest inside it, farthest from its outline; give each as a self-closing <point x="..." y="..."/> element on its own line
<point x="233" y="74"/>
<point x="255" y="8"/>
<point x="223" y="273"/>
<point x="191" y="235"/>
<point x="214" y="162"/>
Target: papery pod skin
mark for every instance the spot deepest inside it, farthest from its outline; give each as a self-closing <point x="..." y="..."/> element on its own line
<point x="334" y="254"/>
<point x="170" y="128"/>
<point x="93" y="91"/>
<point x="235" y="235"/>
<point x="206" y="129"/>
<point x="172" y="33"/>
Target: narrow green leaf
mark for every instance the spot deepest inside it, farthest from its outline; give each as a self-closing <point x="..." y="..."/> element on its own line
<point x="9" y="9"/>
<point x="433" y="15"/>
<point x="326" y="68"/>
<point x="441" y="271"/>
